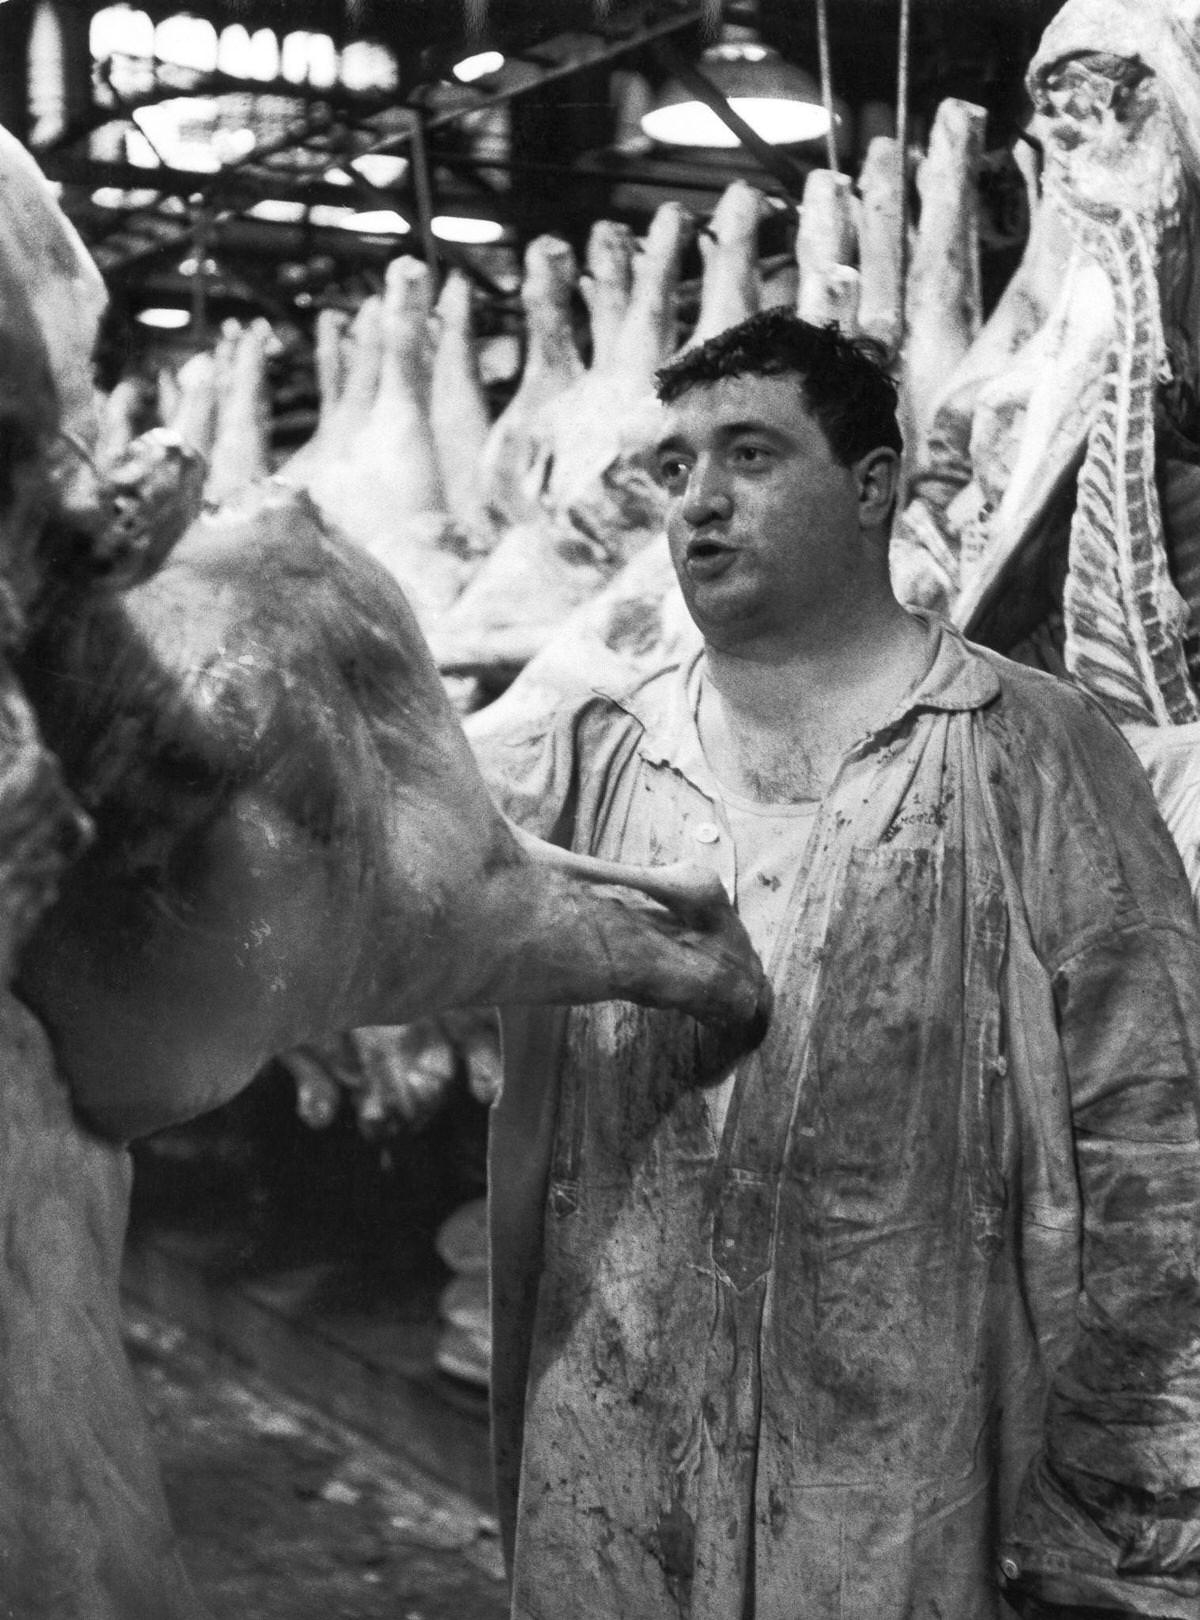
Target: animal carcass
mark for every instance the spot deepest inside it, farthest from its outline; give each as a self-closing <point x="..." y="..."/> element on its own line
<point x="288" y="832"/>
<point x="1056" y="496"/>
<point x="291" y="828"/>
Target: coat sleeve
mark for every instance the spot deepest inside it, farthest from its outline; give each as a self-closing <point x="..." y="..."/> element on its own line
<point x="529" y="767"/>
<point x="1109" y="1514"/>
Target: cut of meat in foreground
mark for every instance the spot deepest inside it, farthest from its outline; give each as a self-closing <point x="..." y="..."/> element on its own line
<point x="293" y="837"/>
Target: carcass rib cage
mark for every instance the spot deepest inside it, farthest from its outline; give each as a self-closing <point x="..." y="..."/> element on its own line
<point x="1124" y="620"/>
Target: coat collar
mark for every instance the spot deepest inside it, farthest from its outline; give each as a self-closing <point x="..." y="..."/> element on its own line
<point x="960" y="678"/>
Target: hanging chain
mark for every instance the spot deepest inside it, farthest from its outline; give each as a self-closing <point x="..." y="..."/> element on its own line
<point x="902" y="149"/>
<point x="826" y="82"/>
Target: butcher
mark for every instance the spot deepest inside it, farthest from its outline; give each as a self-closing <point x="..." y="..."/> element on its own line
<point x="901" y="1318"/>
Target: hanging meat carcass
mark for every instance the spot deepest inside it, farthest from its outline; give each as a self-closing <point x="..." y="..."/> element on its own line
<point x="637" y="620"/>
<point x="78" y="1484"/>
<point x="599" y="505"/>
<point x="194" y="414"/>
<point x="241" y="450"/>
<point x="331" y="357"/>
<point x="376" y="474"/>
<point x="1057" y="495"/>
<point x="828" y="285"/>
<point x="513" y="468"/>
<point x="270" y="766"/>
<point x="458" y="408"/>
<point x="278" y="784"/>
<point x="943" y="301"/>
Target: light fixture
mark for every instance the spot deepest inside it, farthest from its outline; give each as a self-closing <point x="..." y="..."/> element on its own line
<point x="369" y="66"/>
<point x="780" y="102"/>
<point x="263" y="57"/>
<point x="381" y="169"/>
<point x="478" y="66"/>
<point x="279" y="210"/>
<point x="330" y="214"/>
<point x="165" y="319"/>
<point x="293" y="56"/>
<point x="376" y="222"/>
<point x="187" y="42"/>
<point x="181" y="131"/>
<point x="464" y="228"/>
<point x="322" y="61"/>
<point x="233" y="52"/>
<point x="115" y="197"/>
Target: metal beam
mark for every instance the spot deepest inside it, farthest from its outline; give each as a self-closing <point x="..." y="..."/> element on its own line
<point x="232" y="187"/>
<point x="607" y="50"/>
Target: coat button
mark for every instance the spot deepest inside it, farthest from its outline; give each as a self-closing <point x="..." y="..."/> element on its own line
<point x="706" y="832"/>
<point x="1009" y="1568"/>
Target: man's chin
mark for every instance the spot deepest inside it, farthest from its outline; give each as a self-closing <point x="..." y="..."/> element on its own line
<point x="720" y="613"/>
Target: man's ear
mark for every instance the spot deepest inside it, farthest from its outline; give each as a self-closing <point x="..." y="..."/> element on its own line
<point x="878" y="478"/>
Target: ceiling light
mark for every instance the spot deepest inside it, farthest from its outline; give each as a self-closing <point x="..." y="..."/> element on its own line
<point x="477" y="66"/>
<point x="263" y="56"/>
<point x="166" y="320"/>
<point x="279" y="210"/>
<point x="780" y="102"/>
<point x="381" y="169"/>
<point x="322" y="61"/>
<point x="467" y="229"/>
<point x="187" y="42"/>
<point x="115" y="197"/>
<point x="232" y="144"/>
<point x="233" y="52"/>
<point x="329" y="214"/>
<point x="119" y="30"/>
<point x="293" y="56"/>
<point x="377" y="222"/>
<point x="369" y="66"/>
<point x="181" y="131"/>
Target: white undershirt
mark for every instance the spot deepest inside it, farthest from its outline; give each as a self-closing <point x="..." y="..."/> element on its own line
<point x="770" y="844"/>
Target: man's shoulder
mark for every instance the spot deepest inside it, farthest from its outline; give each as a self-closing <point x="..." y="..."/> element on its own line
<point x="1071" y="794"/>
<point x="1048" y="713"/>
<point x="530" y="750"/>
<point x="520" y="719"/>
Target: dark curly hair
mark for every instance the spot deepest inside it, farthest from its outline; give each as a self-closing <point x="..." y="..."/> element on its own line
<point x="842" y="380"/>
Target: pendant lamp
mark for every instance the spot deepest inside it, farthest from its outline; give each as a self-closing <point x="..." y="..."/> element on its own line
<point x="780" y="102"/>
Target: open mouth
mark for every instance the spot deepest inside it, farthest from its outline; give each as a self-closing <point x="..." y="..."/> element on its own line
<point x="706" y="547"/>
<point x="706" y="556"/>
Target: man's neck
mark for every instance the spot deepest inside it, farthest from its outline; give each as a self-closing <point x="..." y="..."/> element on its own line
<point x="775" y="719"/>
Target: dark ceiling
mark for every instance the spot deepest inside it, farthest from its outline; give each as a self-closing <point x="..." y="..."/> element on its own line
<point x="560" y="165"/>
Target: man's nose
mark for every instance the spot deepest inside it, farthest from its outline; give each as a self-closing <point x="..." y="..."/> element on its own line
<point x="707" y="497"/>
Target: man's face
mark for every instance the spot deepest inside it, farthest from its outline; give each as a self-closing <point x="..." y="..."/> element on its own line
<point x="763" y="522"/>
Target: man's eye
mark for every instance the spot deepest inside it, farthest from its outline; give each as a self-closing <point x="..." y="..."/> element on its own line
<point x="672" y="471"/>
<point x="749" y="453"/>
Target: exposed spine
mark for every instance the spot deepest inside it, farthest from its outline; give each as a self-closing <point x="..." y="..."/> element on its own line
<point x="1124" y="619"/>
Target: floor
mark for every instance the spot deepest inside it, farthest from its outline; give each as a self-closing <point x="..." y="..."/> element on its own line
<point x="282" y="1513"/>
<point x="312" y="1257"/>
<point x="281" y="1296"/>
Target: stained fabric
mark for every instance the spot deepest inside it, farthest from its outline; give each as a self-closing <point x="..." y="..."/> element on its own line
<point x="921" y="1325"/>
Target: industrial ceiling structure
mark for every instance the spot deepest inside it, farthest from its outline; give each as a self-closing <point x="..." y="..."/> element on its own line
<point x="267" y="156"/>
